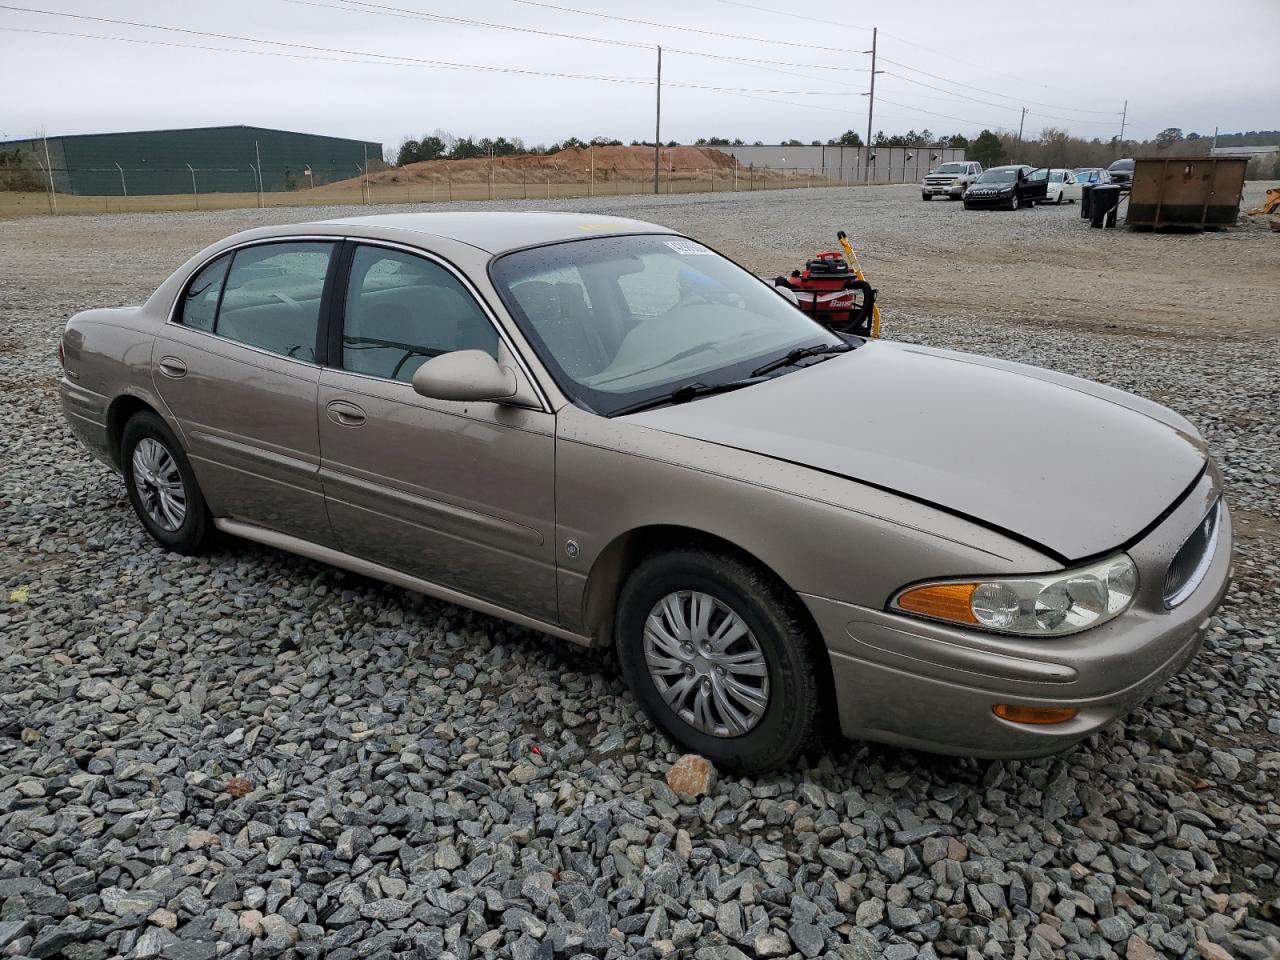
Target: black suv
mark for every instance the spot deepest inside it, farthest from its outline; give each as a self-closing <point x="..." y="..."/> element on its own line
<point x="1008" y="188"/>
<point x="1121" y="172"/>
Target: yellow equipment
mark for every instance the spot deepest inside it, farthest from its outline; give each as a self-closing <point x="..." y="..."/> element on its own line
<point x="1270" y="205"/>
<point x="857" y="272"/>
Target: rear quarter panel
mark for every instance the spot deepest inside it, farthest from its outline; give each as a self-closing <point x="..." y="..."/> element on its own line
<point x="107" y="357"/>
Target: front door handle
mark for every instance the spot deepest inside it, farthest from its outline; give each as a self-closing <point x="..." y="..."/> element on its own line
<point x="172" y="367"/>
<point x="344" y="413"/>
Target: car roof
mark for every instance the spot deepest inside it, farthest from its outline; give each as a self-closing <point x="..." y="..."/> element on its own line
<point x="1010" y="166"/>
<point x="501" y="231"/>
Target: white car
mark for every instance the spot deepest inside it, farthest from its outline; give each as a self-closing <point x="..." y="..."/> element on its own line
<point x="1063" y="187"/>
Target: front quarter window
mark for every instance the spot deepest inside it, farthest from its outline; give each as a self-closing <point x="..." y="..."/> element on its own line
<point x="621" y="320"/>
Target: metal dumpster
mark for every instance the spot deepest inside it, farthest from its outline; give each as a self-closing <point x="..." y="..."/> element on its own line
<point x="1194" y="193"/>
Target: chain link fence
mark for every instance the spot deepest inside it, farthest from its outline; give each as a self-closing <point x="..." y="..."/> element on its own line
<point x="38" y="190"/>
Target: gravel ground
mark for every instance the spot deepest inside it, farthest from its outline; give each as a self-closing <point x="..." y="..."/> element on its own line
<point x="249" y="754"/>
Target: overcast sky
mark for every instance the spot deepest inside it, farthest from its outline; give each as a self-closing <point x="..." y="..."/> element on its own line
<point x="950" y="67"/>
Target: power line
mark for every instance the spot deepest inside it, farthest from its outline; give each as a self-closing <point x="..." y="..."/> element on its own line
<point x="796" y="16"/>
<point x="395" y="58"/>
<point x="672" y="26"/>
<point x="378" y="9"/>
<point x="945" y="116"/>
<point x="384" y="61"/>
<point x="858" y="26"/>
<point x="996" y="93"/>
<point x="1002" y="106"/>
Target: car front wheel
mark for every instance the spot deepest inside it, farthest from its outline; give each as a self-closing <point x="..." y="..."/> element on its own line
<point x="1013" y="202"/>
<point x="162" y="486"/>
<point x="720" y="658"/>
<point x="926" y="196"/>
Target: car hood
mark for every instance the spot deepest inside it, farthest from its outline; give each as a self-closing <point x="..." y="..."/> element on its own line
<point x="1073" y="466"/>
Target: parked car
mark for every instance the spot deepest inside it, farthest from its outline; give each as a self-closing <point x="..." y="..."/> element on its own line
<point x="1094" y="175"/>
<point x="1062" y="187"/>
<point x="605" y="431"/>
<point x="1007" y="187"/>
<point x="1121" y="172"/>
<point x="950" y="180"/>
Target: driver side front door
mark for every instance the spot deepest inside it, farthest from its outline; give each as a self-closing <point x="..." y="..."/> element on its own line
<point x="458" y="494"/>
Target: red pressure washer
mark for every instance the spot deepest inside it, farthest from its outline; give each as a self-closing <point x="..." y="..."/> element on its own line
<point x="835" y="294"/>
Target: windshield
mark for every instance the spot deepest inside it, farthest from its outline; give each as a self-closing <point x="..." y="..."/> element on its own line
<point x="951" y="168"/>
<point x="998" y="176"/>
<point x="1056" y="176"/>
<point x="621" y="320"/>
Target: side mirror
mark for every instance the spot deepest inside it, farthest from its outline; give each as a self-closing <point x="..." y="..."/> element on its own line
<point x="468" y="375"/>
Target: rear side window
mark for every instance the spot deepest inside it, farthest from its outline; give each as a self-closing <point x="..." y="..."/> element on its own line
<point x="401" y="310"/>
<point x="272" y="297"/>
<point x="200" y="305"/>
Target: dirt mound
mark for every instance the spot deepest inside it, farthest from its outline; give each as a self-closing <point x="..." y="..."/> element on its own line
<point x="572" y="164"/>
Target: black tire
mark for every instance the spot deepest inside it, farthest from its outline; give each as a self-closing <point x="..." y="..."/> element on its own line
<point x="196" y="528"/>
<point x="1058" y="202"/>
<point x="771" y="612"/>
<point x="1013" y="202"/>
<point x="926" y="197"/>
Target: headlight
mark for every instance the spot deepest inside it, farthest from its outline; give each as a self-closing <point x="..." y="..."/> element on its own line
<point x="1050" y="606"/>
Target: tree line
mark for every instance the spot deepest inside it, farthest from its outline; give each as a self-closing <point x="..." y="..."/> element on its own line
<point x="1052" y="147"/>
<point x="442" y="145"/>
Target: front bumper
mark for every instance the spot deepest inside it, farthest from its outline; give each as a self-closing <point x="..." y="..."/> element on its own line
<point x="988" y="201"/>
<point x="919" y="684"/>
<point x="944" y="189"/>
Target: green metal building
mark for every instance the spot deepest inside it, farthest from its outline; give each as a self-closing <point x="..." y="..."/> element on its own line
<point x="199" y="159"/>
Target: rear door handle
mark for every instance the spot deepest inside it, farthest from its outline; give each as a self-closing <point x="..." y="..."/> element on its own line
<point x="344" y="413"/>
<point x="173" y="367"/>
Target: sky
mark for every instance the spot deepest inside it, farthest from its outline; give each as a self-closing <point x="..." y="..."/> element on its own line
<point x="386" y="69"/>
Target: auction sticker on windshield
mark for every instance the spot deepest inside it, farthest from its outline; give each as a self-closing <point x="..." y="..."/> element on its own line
<point x="687" y="247"/>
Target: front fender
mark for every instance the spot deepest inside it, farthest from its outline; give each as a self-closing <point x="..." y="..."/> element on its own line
<point x="823" y="535"/>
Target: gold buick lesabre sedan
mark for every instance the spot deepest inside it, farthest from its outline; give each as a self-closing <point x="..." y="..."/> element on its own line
<point x="608" y="432"/>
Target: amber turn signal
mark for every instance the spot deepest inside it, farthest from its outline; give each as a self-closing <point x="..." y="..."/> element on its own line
<point x="943" y="601"/>
<point x="1041" y="716"/>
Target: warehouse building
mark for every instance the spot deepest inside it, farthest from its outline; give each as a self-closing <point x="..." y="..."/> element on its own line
<point x="200" y="159"/>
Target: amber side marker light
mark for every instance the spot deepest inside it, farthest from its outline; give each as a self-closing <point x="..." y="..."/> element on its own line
<point x="1040" y="716"/>
<point x="943" y="601"/>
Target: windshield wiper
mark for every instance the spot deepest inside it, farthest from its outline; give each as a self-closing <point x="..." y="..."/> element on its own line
<point x="800" y="353"/>
<point x="690" y="391"/>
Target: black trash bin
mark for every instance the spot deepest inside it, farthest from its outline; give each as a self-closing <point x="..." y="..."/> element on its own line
<point x="1085" y="190"/>
<point x="1102" y="205"/>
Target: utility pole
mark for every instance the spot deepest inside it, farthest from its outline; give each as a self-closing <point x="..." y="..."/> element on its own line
<point x="1124" y="115"/>
<point x="53" y="191"/>
<point x="871" y="101"/>
<point x="657" y="127"/>
<point x="1018" y="149"/>
<point x="257" y="155"/>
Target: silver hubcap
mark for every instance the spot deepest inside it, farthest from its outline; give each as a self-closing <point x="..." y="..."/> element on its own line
<point x="706" y="663"/>
<point x="159" y="484"/>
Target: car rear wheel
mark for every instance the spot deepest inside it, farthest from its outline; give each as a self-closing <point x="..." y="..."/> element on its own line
<point x="720" y="658"/>
<point x="162" y="486"/>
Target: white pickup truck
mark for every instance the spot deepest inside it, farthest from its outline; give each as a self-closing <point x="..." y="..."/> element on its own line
<point x="950" y="180"/>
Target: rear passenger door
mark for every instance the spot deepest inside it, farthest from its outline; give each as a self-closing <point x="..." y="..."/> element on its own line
<point x="458" y="494"/>
<point x="237" y="366"/>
